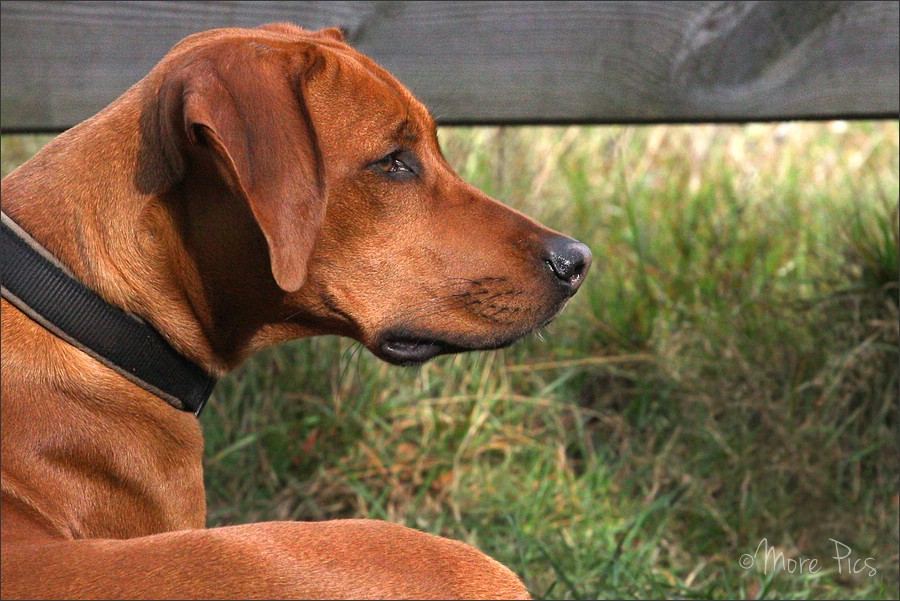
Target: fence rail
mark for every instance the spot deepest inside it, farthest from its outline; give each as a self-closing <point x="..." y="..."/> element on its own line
<point x="496" y="62"/>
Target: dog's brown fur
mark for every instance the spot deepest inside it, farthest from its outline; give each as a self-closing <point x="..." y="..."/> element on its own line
<point x="234" y="199"/>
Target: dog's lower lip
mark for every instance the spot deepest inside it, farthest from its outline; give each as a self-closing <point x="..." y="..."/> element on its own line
<point x="406" y="346"/>
<point x="411" y="352"/>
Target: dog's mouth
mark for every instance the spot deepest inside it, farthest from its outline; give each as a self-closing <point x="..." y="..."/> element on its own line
<point x="407" y="344"/>
<point x="406" y="350"/>
<point x="401" y="348"/>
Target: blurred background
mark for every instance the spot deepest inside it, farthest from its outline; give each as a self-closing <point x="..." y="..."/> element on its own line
<point x="728" y="373"/>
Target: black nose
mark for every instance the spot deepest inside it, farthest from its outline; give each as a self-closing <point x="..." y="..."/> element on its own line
<point x="569" y="260"/>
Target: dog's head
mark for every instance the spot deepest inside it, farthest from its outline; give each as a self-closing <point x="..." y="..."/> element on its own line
<point x="318" y="201"/>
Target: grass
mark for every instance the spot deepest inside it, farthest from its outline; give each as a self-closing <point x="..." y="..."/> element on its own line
<point x="727" y="374"/>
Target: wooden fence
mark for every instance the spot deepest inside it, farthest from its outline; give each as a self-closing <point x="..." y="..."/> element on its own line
<point x="497" y="62"/>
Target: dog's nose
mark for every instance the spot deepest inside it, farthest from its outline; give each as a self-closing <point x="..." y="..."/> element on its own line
<point x="569" y="260"/>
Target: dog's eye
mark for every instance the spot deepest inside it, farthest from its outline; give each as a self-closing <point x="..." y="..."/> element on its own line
<point x="393" y="165"/>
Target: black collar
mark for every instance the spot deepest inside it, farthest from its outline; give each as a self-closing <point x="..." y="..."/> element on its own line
<point x="41" y="287"/>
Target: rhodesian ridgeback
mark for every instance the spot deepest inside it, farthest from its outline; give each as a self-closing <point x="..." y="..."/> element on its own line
<point x="257" y="186"/>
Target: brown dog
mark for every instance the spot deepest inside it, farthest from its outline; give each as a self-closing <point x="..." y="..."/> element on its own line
<point x="257" y="186"/>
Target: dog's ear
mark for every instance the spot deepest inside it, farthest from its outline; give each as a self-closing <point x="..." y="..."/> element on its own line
<point x="252" y="116"/>
<point x="335" y="33"/>
<point x="283" y="27"/>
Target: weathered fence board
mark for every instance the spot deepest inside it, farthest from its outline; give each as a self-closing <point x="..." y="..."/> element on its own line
<point x="497" y="62"/>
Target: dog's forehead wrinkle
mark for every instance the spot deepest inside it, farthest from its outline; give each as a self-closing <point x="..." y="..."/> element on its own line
<point x="379" y="99"/>
<point x="405" y="131"/>
<point x="387" y="83"/>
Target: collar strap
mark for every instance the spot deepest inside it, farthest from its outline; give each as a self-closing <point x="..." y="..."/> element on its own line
<point x="41" y="287"/>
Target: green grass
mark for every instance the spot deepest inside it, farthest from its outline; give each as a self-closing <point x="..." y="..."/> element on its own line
<point x="728" y="373"/>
